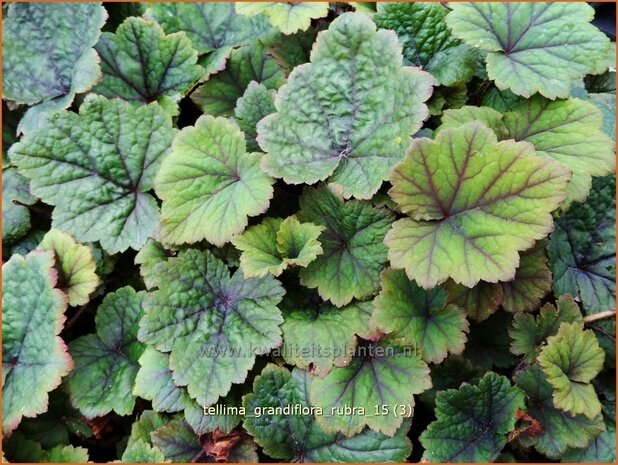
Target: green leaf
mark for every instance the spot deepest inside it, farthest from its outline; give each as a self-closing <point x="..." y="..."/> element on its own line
<point x="355" y="139"/>
<point x="19" y="449"/>
<point x="420" y="318"/>
<point x="147" y="423"/>
<point x="206" y="423"/>
<point x="142" y="452"/>
<point x="494" y="200"/>
<point x="533" y="47"/>
<point x="298" y="437"/>
<point x="139" y="443"/>
<point x="148" y="258"/>
<point x="105" y="262"/>
<point x="276" y="244"/>
<point x="529" y="333"/>
<point x="287" y="17"/>
<point x="522" y="294"/>
<point x="214" y="28"/>
<point x="48" y="56"/>
<point x="213" y="324"/>
<point x="177" y="441"/>
<point x="560" y="429"/>
<point x="570" y="360"/>
<point x="317" y="335"/>
<point x="15" y="198"/>
<point x="256" y="103"/>
<point x="155" y="252"/>
<point x="467" y="114"/>
<point x="456" y="65"/>
<point x="106" y="362"/>
<point x="427" y="41"/>
<point x="368" y="8"/>
<point x="67" y="454"/>
<point x="228" y="254"/>
<point x="142" y="64"/>
<point x="258" y="246"/>
<point x="473" y="422"/>
<point x="209" y="184"/>
<point x="582" y="249"/>
<point x="601" y="449"/>
<point x="298" y="242"/>
<point x="96" y="167"/>
<point x="34" y="358"/>
<point x="607" y="64"/>
<point x="569" y="131"/>
<point x="219" y="94"/>
<point x="76" y="267"/>
<point x="380" y="374"/>
<point x="154" y="382"/>
<point x="605" y="83"/>
<point x="354" y="253"/>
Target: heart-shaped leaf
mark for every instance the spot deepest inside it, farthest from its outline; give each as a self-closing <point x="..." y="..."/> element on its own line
<point x="472" y="422"/>
<point x="533" y="47"/>
<point x="570" y="360"/>
<point x="356" y="142"/>
<point x="352" y="243"/>
<point x="142" y="64"/>
<point x="47" y="56"/>
<point x="106" y="362"/>
<point x="16" y="197"/>
<point x="34" y="358"/>
<point x="209" y="184"/>
<point x="275" y="244"/>
<point x="96" y="168"/>
<point x="256" y="103"/>
<point x="76" y="267"/>
<point x="213" y="324"/>
<point x="494" y="200"/>
<point x="420" y="318"/>
<point x="317" y="335"/>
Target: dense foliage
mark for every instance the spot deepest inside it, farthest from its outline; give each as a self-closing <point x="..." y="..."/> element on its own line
<point x="308" y="232"/>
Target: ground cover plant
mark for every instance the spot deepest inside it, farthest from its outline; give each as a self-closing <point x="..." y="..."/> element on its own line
<point x="308" y="232"/>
